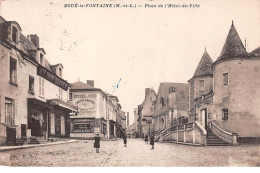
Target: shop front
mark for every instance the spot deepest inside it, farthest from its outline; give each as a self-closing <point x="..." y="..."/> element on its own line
<point x="82" y="127"/>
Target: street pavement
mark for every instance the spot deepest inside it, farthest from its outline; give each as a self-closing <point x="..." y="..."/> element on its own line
<point x="113" y="153"/>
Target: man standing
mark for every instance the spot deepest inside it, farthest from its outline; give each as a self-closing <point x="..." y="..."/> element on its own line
<point x="97" y="142"/>
<point x="146" y="139"/>
<point x="152" y="141"/>
<point x="125" y="140"/>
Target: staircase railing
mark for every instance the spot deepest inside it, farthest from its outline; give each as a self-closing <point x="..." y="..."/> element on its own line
<point x="185" y="133"/>
<point x="224" y="135"/>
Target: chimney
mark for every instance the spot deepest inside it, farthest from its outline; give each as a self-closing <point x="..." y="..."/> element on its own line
<point x="35" y="40"/>
<point x="147" y="90"/>
<point x="90" y="82"/>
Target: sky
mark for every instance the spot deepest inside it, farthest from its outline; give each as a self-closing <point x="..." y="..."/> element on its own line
<point x="142" y="46"/>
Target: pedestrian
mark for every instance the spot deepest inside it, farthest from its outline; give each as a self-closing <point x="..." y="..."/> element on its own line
<point x="125" y="140"/>
<point x="152" y="141"/>
<point x="97" y="142"/>
<point x="146" y="139"/>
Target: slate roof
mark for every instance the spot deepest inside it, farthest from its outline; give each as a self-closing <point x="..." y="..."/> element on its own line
<point x="204" y="67"/>
<point x="80" y="85"/>
<point x="182" y="97"/>
<point x="233" y="46"/>
<point x="256" y="51"/>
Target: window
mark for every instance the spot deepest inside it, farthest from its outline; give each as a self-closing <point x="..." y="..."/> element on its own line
<point x="41" y="86"/>
<point x="70" y="96"/>
<point x="41" y="59"/>
<point x="162" y="101"/>
<point x="151" y="109"/>
<point x="201" y="92"/>
<point x="224" y="114"/>
<point x="225" y="79"/>
<point x="151" y="99"/>
<point x="60" y="94"/>
<point x="13" y="71"/>
<point x="31" y="85"/>
<point x="14" y="34"/>
<point x="9" y="111"/>
<point x="201" y="83"/>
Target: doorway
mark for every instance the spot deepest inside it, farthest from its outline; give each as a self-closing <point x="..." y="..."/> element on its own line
<point x="204" y="118"/>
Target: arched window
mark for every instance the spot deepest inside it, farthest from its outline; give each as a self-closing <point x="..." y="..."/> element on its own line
<point x="14" y="34"/>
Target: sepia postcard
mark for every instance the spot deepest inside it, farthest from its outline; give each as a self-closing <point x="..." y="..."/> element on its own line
<point x="129" y="83"/>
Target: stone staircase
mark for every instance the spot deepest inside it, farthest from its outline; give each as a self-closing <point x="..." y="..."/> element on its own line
<point x="214" y="140"/>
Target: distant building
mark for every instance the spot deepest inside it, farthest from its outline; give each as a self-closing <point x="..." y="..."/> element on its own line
<point x="171" y="105"/>
<point x="130" y="131"/>
<point x="145" y="113"/>
<point x="97" y="111"/>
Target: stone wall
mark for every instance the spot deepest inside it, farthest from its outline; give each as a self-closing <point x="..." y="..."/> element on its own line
<point x="241" y="97"/>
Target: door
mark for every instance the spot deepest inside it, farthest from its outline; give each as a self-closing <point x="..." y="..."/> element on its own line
<point x="204" y="118"/>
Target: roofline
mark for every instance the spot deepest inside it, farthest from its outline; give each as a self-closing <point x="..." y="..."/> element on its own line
<point x="235" y="58"/>
<point x="90" y="89"/>
<point x="210" y="75"/>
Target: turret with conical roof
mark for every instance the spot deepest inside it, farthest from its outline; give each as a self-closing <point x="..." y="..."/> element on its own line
<point x="233" y="46"/>
<point x="204" y="67"/>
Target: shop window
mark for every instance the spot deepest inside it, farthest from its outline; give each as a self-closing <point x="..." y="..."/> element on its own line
<point x="13" y="71"/>
<point x="15" y="34"/>
<point x="41" y="86"/>
<point x="31" y="85"/>
<point x="201" y="83"/>
<point x="224" y="114"/>
<point x="225" y="79"/>
<point x="9" y="111"/>
<point x="83" y="128"/>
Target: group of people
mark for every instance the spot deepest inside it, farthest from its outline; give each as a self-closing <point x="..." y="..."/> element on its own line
<point x="151" y="140"/>
<point x="97" y="141"/>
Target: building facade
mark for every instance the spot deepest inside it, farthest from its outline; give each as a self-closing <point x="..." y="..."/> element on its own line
<point x="201" y="91"/>
<point x="97" y="111"/>
<point x="171" y="105"/>
<point x="146" y="111"/>
<point x="227" y="91"/>
<point x="33" y="94"/>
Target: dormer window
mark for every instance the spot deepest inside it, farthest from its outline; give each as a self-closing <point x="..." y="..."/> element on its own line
<point x="60" y="72"/>
<point x="15" y="34"/>
<point x="41" y="59"/>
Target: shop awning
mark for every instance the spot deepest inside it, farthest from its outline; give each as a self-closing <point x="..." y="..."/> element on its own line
<point x="66" y="105"/>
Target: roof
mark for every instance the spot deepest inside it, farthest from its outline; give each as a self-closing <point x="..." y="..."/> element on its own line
<point x="204" y="67"/>
<point x="256" y="51"/>
<point x="182" y="96"/>
<point x="233" y="46"/>
<point x="146" y="97"/>
<point x="80" y="85"/>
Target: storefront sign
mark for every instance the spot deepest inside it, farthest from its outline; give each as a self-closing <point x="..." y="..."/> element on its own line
<point x="41" y="71"/>
<point x="87" y="104"/>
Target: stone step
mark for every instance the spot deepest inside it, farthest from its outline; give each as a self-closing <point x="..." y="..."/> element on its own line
<point x="221" y="144"/>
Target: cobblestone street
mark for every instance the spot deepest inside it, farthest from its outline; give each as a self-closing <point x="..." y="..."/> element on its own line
<point x="113" y="153"/>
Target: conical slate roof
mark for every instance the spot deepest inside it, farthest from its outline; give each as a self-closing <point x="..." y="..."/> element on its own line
<point x="204" y="67"/>
<point x="233" y="46"/>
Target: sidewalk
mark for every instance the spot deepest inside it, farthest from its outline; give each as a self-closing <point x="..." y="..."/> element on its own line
<point x="7" y="148"/>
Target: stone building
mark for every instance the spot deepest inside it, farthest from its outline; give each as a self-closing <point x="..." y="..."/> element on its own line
<point x="201" y="91"/>
<point x="97" y="111"/>
<point x="130" y="131"/>
<point x="145" y="113"/>
<point x="33" y="94"/>
<point x="171" y="105"/>
<point x="236" y="99"/>
<point x="226" y="93"/>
